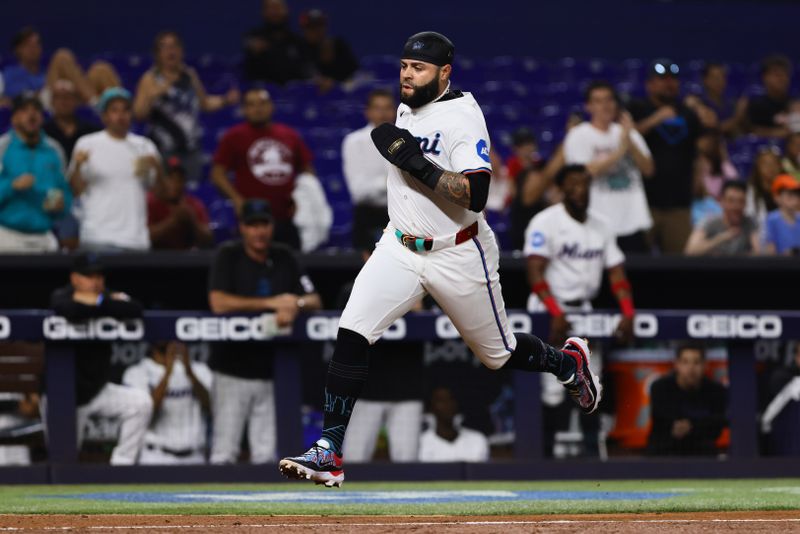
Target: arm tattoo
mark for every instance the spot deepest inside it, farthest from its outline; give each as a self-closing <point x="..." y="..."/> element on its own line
<point x="454" y="187"/>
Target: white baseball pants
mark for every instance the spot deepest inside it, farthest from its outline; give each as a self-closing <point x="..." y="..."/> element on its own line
<point x="463" y="280"/>
<point x="403" y="420"/>
<point x="238" y="401"/>
<point x="133" y="407"/>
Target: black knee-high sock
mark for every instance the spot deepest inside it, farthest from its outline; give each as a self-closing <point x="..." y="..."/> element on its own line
<point x="533" y="354"/>
<point x="347" y="374"/>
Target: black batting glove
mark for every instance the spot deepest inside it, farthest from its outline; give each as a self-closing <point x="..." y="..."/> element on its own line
<point x="402" y="150"/>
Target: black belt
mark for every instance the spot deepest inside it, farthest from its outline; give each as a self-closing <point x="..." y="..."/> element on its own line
<point x="178" y="453"/>
<point x="574" y="303"/>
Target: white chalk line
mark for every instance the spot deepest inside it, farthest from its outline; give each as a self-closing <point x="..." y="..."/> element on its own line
<point x="407" y="524"/>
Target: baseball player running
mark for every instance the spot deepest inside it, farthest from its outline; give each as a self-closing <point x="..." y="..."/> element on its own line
<point x="437" y="242"/>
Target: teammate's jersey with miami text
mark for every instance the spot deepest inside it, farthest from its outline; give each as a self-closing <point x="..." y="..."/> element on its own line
<point x="578" y="252"/>
<point x="180" y="423"/>
<point x="453" y="135"/>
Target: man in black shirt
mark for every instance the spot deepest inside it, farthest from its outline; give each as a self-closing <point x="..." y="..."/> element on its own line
<point x="671" y="131"/>
<point x="86" y="298"/>
<point x="65" y="127"/>
<point x="687" y="408"/>
<point x="250" y="276"/>
<point x="766" y="113"/>
<point x="272" y="51"/>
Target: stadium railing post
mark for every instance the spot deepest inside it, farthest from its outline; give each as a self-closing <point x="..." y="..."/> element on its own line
<point x="62" y="440"/>
<point x="527" y="416"/>
<point x="742" y="406"/>
<point x="288" y="399"/>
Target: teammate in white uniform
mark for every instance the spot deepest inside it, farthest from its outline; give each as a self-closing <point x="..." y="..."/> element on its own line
<point x="568" y="247"/>
<point x="179" y="387"/>
<point x="437" y="242"/>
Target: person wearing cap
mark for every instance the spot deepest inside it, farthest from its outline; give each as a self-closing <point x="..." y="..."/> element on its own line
<point x="766" y="113"/>
<point x="729" y="234"/>
<point x="273" y="52"/>
<point x="251" y="275"/>
<point x="86" y="297"/>
<point x="64" y="125"/>
<point x="365" y="172"/>
<point x="34" y="192"/>
<point x="782" y="227"/>
<point x="176" y="219"/>
<point x="111" y="171"/>
<point x="331" y="56"/>
<point x="616" y="157"/>
<point x="671" y="130"/>
<point x="265" y="158"/>
<point x="169" y="99"/>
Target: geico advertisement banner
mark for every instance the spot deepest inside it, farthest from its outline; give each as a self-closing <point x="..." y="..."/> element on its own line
<point x="35" y="325"/>
<point x="57" y="328"/>
<point x="260" y="328"/>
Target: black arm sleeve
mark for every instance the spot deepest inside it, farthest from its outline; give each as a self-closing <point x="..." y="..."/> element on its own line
<point x="221" y="273"/>
<point x="478" y="190"/>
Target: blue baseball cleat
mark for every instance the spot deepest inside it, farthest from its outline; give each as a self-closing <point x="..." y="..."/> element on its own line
<point x="319" y="464"/>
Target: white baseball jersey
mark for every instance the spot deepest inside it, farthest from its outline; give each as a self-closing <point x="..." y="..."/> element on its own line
<point x="462" y="278"/>
<point x="619" y="194"/>
<point x="179" y="424"/>
<point x="452" y="135"/>
<point x="578" y="252"/>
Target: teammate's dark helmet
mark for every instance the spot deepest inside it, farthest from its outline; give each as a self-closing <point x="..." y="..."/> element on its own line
<point x="430" y="47"/>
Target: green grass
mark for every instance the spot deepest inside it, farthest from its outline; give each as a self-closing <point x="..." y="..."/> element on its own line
<point x="697" y="495"/>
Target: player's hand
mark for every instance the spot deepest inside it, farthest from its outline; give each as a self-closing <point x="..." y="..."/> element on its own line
<point x="559" y="327"/>
<point x="402" y="150"/>
<point x="624" y="331"/>
<point x="81" y="157"/>
<point x="665" y="113"/>
<point x="88" y="298"/>
<point x="681" y="428"/>
<point x="179" y="352"/>
<point x="395" y="144"/>
<point x="23" y="182"/>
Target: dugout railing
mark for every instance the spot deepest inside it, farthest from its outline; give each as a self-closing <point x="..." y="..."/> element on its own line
<point x="739" y="330"/>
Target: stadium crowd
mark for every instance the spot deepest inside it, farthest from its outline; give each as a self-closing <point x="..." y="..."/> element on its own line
<point x="658" y="162"/>
<point x="88" y="164"/>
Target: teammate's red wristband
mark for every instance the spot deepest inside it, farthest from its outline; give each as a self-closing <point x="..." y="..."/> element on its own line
<point x="620" y="285"/>
<point x="552" y="306"/>
<point x="540" y="286"/>
<point x="626" y="305"/>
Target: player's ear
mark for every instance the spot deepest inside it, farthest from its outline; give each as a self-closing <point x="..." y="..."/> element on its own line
<point x="444" y="72"/>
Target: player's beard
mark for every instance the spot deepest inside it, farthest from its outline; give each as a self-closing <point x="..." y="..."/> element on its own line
<point x="422" y="95"/>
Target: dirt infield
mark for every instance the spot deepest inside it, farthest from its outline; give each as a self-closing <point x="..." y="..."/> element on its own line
<point x="781" y="521"/>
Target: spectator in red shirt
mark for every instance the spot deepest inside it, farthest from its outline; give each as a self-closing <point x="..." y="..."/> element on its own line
<point x="176" y="219"/>
<point x="265" y="158"/>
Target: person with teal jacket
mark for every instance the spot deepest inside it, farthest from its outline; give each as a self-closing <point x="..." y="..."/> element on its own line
<point x="33" y="189"/>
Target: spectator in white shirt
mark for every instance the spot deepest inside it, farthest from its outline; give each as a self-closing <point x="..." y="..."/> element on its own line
<point x="616" y="156"/>
<point x="111" y="171"/>
<point x="448" y="441"/>
<point x="365" y="172"/>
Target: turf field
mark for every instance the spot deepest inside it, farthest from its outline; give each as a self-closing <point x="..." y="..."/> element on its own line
<point x="422" y="498"/>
